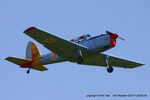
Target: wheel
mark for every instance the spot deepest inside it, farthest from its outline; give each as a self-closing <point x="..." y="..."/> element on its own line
<point x="110" y="69"/>
<point x="28" y="71"/>
<point x="80" y="59"/>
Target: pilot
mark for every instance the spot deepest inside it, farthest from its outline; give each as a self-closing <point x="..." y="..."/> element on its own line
<point x="74" y="41"/>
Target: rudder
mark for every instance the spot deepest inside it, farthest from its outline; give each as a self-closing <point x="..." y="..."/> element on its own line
<point x="32" y="52"/>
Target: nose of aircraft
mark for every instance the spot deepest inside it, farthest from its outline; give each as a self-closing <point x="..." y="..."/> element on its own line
<point x="115" y="35"/>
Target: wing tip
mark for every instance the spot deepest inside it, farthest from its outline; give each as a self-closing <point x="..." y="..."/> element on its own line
<point x="30" y="28"/>
<point x="139" y="64"/>
<point x="143" y="64"/>
<point x="7" y="58"/>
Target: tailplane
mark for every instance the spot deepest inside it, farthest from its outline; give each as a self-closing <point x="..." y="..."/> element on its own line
<point x="18" y="61"/>
<point x="32" y="60"/>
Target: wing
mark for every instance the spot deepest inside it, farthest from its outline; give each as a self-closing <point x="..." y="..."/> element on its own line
<point x="61" y="47"/>
<point x="99" y="60"/>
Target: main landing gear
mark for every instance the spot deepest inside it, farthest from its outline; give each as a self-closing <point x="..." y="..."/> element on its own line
<point x="109" y="67"/>
<point x="80" y="58"/>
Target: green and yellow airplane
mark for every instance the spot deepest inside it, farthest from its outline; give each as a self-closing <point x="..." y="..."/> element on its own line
<point x="85" y="50"/>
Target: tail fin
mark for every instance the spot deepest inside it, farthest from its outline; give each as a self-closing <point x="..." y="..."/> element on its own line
<point x="32" y="52"/>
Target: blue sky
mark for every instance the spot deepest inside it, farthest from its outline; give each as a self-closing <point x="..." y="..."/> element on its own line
<point x="69" y="19"/>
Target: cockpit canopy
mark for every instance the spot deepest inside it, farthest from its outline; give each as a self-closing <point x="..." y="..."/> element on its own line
<point x="81" y="38"/>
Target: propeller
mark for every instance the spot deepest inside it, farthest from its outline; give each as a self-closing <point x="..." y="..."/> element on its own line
<point x="108" y="32"/>
<point x="122" y="39"/>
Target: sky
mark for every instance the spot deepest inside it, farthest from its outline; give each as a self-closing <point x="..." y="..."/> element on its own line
<point x="69" y="19"/>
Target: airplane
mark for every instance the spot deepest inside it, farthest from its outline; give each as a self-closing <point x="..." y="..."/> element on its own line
<point x="84" y="50"/>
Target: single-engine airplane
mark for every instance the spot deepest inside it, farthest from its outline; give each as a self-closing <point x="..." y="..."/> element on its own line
<point x="85" y="50"/>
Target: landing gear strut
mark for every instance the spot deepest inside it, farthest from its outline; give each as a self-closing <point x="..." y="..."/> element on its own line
<point x="28" y="71"/>
<point x="109" y="67"/>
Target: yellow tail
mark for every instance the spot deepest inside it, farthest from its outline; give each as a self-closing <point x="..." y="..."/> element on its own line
<point x="32" y="58"/>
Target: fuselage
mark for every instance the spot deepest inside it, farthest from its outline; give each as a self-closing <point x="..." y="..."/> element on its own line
<point x="96" y="44"/>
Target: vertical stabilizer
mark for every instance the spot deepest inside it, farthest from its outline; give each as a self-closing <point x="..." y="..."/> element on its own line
<point x="32" y="52"/>
<point x="28" y="50"/>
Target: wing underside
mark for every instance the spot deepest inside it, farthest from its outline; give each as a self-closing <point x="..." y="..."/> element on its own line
<point x="99" y="60"/>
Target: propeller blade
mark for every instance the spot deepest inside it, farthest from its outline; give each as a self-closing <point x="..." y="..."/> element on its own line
<point x="108" y="32"/>
<point x="122" y="39"/>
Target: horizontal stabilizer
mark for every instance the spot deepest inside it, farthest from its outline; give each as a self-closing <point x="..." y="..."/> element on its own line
<point x="18" y="61"/>
<point x="39" y="68"/>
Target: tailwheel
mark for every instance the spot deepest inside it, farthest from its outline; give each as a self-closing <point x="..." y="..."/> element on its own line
<point x="28" y="71"/>
<point x="110" y="69"/>
<point x="80" y="59"/>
